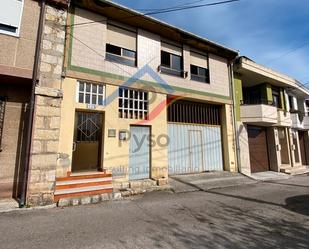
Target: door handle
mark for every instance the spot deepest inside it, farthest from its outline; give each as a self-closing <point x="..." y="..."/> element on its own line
<point x="74" y="146"/>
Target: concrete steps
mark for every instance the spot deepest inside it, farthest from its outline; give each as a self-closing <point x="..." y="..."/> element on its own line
<point x="83" y="184"/>
<point x="298" y="170"/>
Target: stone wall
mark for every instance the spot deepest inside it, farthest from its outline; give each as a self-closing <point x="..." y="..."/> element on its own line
<point x="46" y="125"/>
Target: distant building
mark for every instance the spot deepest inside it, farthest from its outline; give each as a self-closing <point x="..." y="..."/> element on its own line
<point x="272" y="120"/>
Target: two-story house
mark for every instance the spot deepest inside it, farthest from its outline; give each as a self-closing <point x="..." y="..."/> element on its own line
<point x="142" y="100"/>
<point x="18" y="36"/>
<point x="272" y="123"/>
<point x="32" y="36"/>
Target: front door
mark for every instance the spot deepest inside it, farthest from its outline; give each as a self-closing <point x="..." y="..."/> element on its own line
<point x="258" y="149"/>
<point x="296" y="146"/>
<point x="87" y="142"/>
<point x="302" y="146"/>
<point x="195" y="151"/>
<point x="139" y="159"/>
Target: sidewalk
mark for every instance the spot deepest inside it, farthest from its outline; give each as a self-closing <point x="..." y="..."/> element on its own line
<point x="8" y="205"/>
<point x="206" y="181"/>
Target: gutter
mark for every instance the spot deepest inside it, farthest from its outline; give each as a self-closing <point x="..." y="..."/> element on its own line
<point x="22" y="201"/>
<point x="236" y="137"/>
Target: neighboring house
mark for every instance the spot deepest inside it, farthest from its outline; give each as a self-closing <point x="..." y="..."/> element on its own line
<point x="22" y="74"/>
<point x="18" y="35"/>
<point x="272" y="119"/>
<point x="127" y="78"/>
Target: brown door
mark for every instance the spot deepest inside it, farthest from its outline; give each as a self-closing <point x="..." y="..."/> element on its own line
<point x="87" y="142"/>
<point x="302" y="147"/>
<point x="258" y="149"/>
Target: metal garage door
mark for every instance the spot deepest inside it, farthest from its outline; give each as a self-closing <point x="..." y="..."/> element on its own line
<point x="194" y="148"/>
<point x="258" y="149"/>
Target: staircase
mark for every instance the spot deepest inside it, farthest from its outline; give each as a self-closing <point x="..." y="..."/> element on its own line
<point x="298" y="170"/>
<point x="83" y="184"/>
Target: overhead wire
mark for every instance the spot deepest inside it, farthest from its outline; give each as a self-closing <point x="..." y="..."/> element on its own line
<point x="161" y="11"/>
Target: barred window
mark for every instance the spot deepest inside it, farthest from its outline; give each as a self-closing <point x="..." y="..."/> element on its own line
<point x="133" y="104"/>
<point x="90" y="93"/>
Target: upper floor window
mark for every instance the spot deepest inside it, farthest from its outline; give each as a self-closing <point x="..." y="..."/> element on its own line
<point x="291" y="102"/>
<point x="199" y="67"/>
<point x="90" y="93"/>
<point x="121" y="45"/>
<point x="133" y="104"/>
<point x="276" y="98"/>
<point x="171" y="60"/>
<point x="10" y="16"/>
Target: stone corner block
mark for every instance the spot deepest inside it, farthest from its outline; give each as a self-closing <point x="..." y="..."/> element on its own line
<point x="49" y="92"/>
<point x="63" y="203"/>
<point x="117" y="196"/>
<point x="85" y="200"/>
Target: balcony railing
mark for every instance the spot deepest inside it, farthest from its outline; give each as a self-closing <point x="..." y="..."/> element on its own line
<point x="300" y="121"/>
<point x="284" y="118"/>
<point x="259" y="114"/>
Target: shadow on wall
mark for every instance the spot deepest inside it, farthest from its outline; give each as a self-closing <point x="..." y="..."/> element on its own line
<point x="15" y="93"/>
<point x="21" y="152"/>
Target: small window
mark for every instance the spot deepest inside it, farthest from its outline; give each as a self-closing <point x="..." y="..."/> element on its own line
<point x="171" y="64"/>
<point x="120" y="55"/>
<point x="133" y="104"/>
<point x="10" y="16"/>
<point x="199" y="74"/>
<point x="89" y="93"/>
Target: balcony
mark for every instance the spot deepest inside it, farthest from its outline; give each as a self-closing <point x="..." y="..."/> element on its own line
<point x="259" y="114"/>
<point x="284" y="118"/>
<point x="298" y="123"/>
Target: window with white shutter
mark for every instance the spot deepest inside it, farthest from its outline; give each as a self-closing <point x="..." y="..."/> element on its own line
<point x="10" y="16"/>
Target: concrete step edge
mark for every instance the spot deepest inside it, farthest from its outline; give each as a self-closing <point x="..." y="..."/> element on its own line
<point x="81" y="181"/>
<point x="83" y="189"/>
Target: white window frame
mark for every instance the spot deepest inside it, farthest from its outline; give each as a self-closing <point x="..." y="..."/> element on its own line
<point x="84" y="92"/>
<point x="124" y="111"/>
<point x="19" y="22"/>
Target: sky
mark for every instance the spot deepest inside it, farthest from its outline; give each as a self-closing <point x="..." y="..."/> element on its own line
<point x="274" y="33"/>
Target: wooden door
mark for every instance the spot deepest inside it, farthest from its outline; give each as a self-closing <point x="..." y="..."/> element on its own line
<point x="258" y="149"/>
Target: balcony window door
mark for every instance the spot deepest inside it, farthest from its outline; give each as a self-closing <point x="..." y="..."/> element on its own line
<point x="276" y="98"/>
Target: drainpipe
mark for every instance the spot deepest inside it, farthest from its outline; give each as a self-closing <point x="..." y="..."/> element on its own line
<point x="236" y="135"/>
<point x="22" y="201"/>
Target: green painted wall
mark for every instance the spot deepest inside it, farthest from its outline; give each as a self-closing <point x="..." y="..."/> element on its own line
<point x="282" y="99"/>
<point x="238" y="95"/>
<point x="266" y="93"/>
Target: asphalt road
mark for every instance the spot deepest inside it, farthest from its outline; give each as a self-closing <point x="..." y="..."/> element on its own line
<point x="262" y="215"/>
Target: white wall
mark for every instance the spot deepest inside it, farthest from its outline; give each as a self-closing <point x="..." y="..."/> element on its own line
<point x="88" y="51"/>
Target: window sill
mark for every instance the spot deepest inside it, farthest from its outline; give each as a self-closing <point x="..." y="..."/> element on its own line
<point x="118" y="62"/>
<point x="200" y="81"/>
<point x="165" y="72"/>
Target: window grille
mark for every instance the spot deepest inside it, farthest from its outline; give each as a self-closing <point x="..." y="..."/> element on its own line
<point x="194" y="113"/>
<point x="133" y="104"/>
<point x="90" y="93"/>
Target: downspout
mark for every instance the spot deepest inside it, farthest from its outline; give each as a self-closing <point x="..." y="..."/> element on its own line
<point x="236" y="135"/>
<point x="22" y="201"/>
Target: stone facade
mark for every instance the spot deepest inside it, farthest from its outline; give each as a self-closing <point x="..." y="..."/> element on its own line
<point x="46" y="125"/>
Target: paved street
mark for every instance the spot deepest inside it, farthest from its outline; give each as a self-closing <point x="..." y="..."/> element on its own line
<point x="262" y="215"/>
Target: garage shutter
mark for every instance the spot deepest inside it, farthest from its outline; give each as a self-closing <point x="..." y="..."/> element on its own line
<point x="194" y="148"/>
